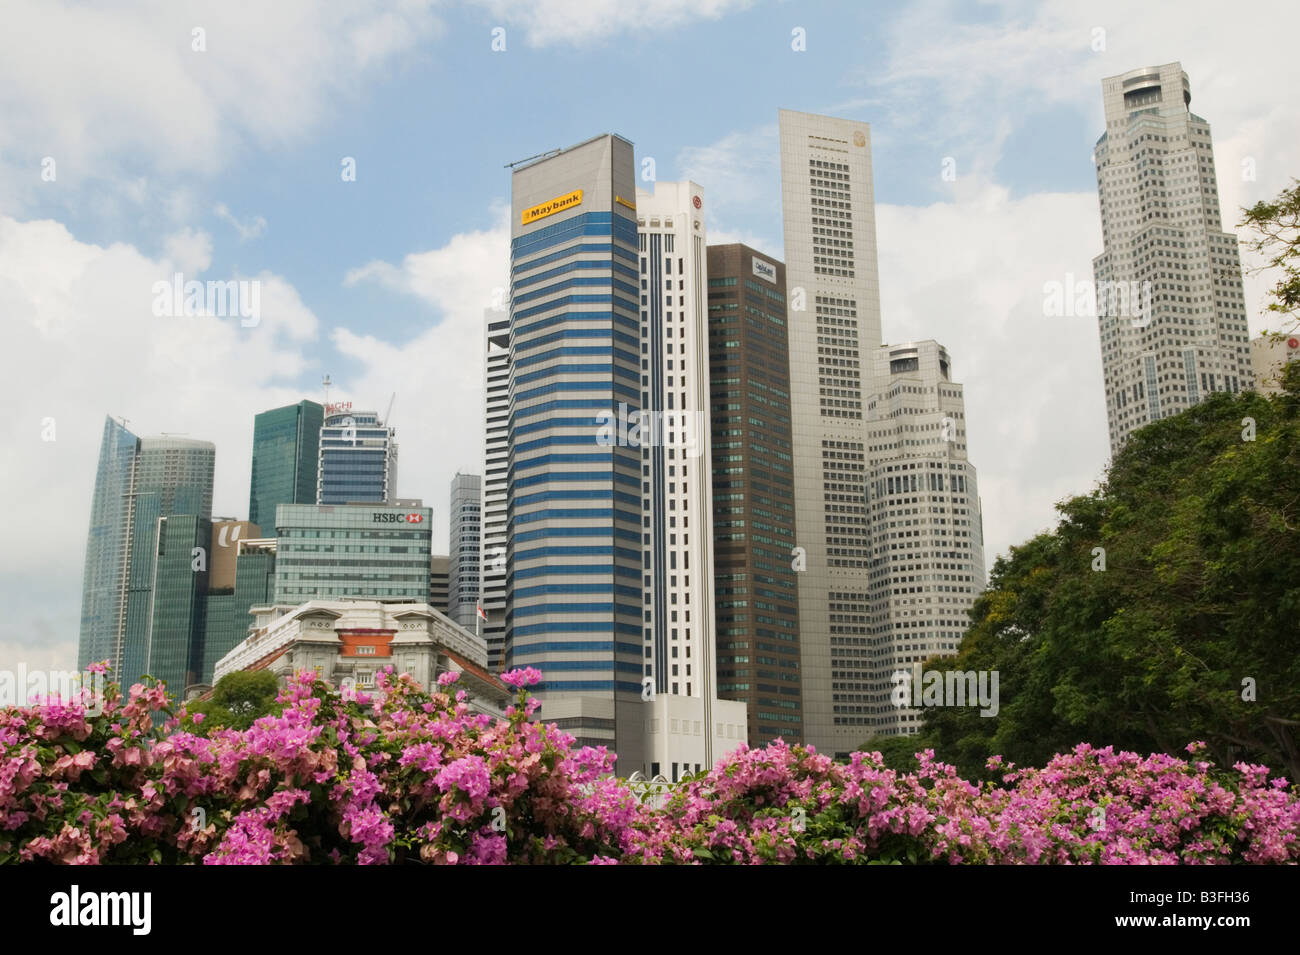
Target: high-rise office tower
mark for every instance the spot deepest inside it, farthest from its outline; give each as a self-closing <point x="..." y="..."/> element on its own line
<point x="439" y="573"/>
<point x="573" y="588"/>
<point x="370" y="551"/>
<point x="286" y="458"/>
<point x="358" y="458"/>
<point x="139" y="481"/>
<point x="465" y="537"/>
<point x="754" y="556"/>
<point x="175" y="627"/>
<point x="834" y="314"/>
<point x="927" y="539"/>
<point x="673" y="434"/>
<point x="1170" y="305"/>
<point x="496" y="461"/>
<point x="103" y="600"/>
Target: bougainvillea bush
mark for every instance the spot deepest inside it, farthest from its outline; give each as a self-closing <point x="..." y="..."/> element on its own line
<point x="407" y="776"/>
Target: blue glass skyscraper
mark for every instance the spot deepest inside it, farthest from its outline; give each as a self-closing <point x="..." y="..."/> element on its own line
<point x="574" y="591"/>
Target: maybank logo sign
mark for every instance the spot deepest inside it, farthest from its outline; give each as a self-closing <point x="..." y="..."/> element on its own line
<point x="558" y="204"/>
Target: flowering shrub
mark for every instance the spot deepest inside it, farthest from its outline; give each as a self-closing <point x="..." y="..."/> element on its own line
<point x="415" y="777"/>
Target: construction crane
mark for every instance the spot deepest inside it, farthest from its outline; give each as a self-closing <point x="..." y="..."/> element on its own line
<point x="389" y="412"/>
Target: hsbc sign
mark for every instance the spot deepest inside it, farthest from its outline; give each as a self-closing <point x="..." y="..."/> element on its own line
<point x="387" y="517"/>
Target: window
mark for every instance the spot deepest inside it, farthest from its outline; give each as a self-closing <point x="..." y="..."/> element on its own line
<point x="365" y="651"/>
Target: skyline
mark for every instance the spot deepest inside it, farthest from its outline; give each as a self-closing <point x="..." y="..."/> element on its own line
<point x="78" y="278"/>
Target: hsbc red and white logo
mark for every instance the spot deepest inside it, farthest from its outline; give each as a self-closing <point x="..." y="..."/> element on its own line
<point x="387" y="517"/>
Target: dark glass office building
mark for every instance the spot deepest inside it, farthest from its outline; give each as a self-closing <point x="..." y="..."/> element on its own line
<point x="754" y="556"/>
<point x="286" y="449"/>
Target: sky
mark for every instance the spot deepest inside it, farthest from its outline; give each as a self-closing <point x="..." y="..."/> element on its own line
<point x="215" y="139"/>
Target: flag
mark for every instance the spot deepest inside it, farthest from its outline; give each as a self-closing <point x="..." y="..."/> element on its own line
<point x="479" y="608"/>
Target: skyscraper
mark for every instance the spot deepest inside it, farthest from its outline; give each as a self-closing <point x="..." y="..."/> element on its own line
<point x="175" y="627"/>
<point x="677" y="520"/>
<point x="358" y="458"/>
<point x="754" y="537"/>
<point x="1165" y="248"/>
<point x="465" y="538"/>
<point x="834" y="314"/>
<point x="496" y="461"/>
<point x="139" y="481"/>
<point x="927" y="538"/>
<point x="286" y="450"/>
<point x="574" y="590"/>
<point x="103" y="600"/>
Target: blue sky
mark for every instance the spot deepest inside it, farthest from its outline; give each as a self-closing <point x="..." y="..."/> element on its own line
<point x="225" y="163"/>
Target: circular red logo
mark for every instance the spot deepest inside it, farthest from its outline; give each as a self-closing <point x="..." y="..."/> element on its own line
<point x="698" y="202"/>
<point x="1293" y="343"/>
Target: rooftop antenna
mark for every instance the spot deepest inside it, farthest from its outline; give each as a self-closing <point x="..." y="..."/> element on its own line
<point x="520" y="162"/>
<point x="326" y="382"/>
<point x="389" y="412"/>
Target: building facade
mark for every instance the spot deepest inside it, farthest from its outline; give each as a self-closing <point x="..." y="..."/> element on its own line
<point x="754" y="556"/>
<point x="465" y="532"/>
<point x="1171" y="310"/>
<point x="230" y="598"/>
<point x="834" y="326"/>
<point x="1269" y="358"/>
<point x="496" y="465"/>
<point x="439" y="582"/>
<point x="358" y="458"/>
<point x="286" y="457"/>
<point x="573" y="587"/>
<point x="138" y="482"/>
<point x="927" y="538"/>
<point x="359" y="551"/>
<point x="349" y="641"/>
<point x="178" y="593"/>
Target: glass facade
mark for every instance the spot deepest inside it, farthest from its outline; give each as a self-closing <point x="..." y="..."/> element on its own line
<point x="103" y="597"/>
<point x="286" y="450"/>
<point x="574" y="506"/>
<point x="139" y="480"/>
<point x="180" y="582"/>
<point x="226" y="618"/>
<point x="358" y="460"/>
<point x="753" y="492"/>
<point x="372" y="551"/>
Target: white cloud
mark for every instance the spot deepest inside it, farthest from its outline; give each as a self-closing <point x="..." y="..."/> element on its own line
<point x="188" y="250"/>
<point x="107" y="91"/>
<point x="438" y="375"/>
<point x="80" y="316"/>
<point x="250" y="230"/>
<point x="578" y="22"/>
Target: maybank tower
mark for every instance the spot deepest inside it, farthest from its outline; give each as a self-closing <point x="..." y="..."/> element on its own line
<point x="573" y="540"/>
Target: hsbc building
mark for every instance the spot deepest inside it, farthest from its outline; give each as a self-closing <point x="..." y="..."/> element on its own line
<point x="369" y="551"/>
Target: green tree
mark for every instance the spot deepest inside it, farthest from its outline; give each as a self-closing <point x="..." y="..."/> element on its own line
<point x="1192" y="629"/>
<point x="1277" y="225"/>
<point x="238" y="700"/>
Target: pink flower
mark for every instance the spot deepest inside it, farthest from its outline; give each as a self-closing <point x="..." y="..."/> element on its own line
<point x="522" y="678"/>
